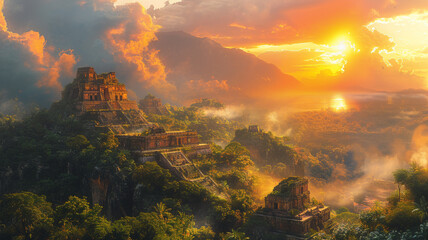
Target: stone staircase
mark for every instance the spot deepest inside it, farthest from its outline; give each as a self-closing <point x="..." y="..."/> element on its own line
<point x="117" y="129"/>
<point x="134" y="117"/>
<point x="185" y="169"/>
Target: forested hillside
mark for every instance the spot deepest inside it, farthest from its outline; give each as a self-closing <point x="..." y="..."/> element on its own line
<point x="58" y="168"/>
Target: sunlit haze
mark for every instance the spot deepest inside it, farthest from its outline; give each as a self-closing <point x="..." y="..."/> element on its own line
<point x="214" y="119"/>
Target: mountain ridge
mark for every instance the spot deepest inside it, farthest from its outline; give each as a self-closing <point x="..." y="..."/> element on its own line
<point x="202" y="64"/>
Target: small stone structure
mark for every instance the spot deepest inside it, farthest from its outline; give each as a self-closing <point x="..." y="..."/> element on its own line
<point x="253" y="128"/>
<point x="290" y="194"/>
<point x="288" y="211"/>
<point x="152" y="105"/>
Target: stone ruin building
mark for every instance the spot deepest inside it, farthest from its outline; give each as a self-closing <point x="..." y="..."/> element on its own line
<point x="288" y="211"/>
<point x="101" y="91"/>
<point x="152" y="105"/>
<point x="172" y="150"/>
<point x="103" y="100"/>
<point x="153" y="141"/>
<point x="253" y="128"/>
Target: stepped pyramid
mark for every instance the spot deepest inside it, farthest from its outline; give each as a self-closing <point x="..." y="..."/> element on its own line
<point x="101" y="98"/>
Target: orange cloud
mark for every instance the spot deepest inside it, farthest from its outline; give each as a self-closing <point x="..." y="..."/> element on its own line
<point x="276" y="21"/>
<point x="3" y="24"/>
<point x="41" y="59"/>
<point x="98" y="34"/>
<point x="369" y="72"/>
<point x="130" y="40"/>
<point x="118" y="38"/>
<point x="366" y="69"/>
<point x="237" y="25"/>
<point x="64" y="66"/>
<point x="355" y="63"/>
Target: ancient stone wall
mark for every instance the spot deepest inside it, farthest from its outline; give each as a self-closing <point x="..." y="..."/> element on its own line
<point x="158" y="141"/>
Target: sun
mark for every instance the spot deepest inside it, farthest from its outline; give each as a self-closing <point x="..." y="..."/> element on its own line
<point x="338" y="104"/>
<point x="338" y="52"/>
<point x="342" y="46"/>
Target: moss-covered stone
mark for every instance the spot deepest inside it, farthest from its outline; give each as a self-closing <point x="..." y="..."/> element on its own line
<point x="285" y="187"/>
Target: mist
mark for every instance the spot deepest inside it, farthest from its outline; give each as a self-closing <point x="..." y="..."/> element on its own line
<point x="381" y="143"/>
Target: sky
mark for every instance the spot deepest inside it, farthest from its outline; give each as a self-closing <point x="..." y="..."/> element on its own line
<point x="148" y="3"/>
<point x="375" y="45"/>
<point x="328" y="45"/>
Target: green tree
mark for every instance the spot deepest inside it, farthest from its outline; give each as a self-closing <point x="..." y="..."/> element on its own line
<point x="235" y="235"/>
<point x="235" y="154"/>
<point x="25" y="215"/>
<point x="161" y="210"/>
<point x="241" y="201"/>
<point x="415" y="180"/>
<point x="403" y="217"/>
<point x="373" y="218"/>
<point x="77" y="142"/>
<point x="75" y="219"/>
<point x="422" y="208"/>
<point x="400" y="176"/>
<point x="75" y="211"/>
<point x="152" y="175"/>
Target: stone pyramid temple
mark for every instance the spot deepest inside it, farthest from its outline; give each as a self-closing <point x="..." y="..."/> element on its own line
<point x="101" y="98"/>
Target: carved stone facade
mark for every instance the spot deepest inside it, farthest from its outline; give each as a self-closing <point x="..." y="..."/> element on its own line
<point x="94" y="92"/>
<point x="296" y="197"/>
<point x="102" y="99"/>
<point x="287" y="209"/>
<point x="137" y="142"/>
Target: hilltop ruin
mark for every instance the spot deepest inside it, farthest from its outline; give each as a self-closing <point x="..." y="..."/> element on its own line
<point x="288" y="210"/>
<point x="102" y="100"/>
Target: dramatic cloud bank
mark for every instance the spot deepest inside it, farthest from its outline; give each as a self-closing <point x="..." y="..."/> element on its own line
<point x="29" y="68"/>
<point x="43" y="41"/>
<point x="254" y="22"/>
<point x="367" y="70"/>
<point x="374" y="63"/>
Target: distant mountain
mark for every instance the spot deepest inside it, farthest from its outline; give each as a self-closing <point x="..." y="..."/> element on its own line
<point x="201" y="67"/>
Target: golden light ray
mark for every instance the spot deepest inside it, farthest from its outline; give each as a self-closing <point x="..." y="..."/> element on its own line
<point x="330" y="58"/>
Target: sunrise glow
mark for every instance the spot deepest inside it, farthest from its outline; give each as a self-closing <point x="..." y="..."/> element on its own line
<point x="338" y="104"/>
<point x="213" y="119"/>
<point x="342" y="45"/>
